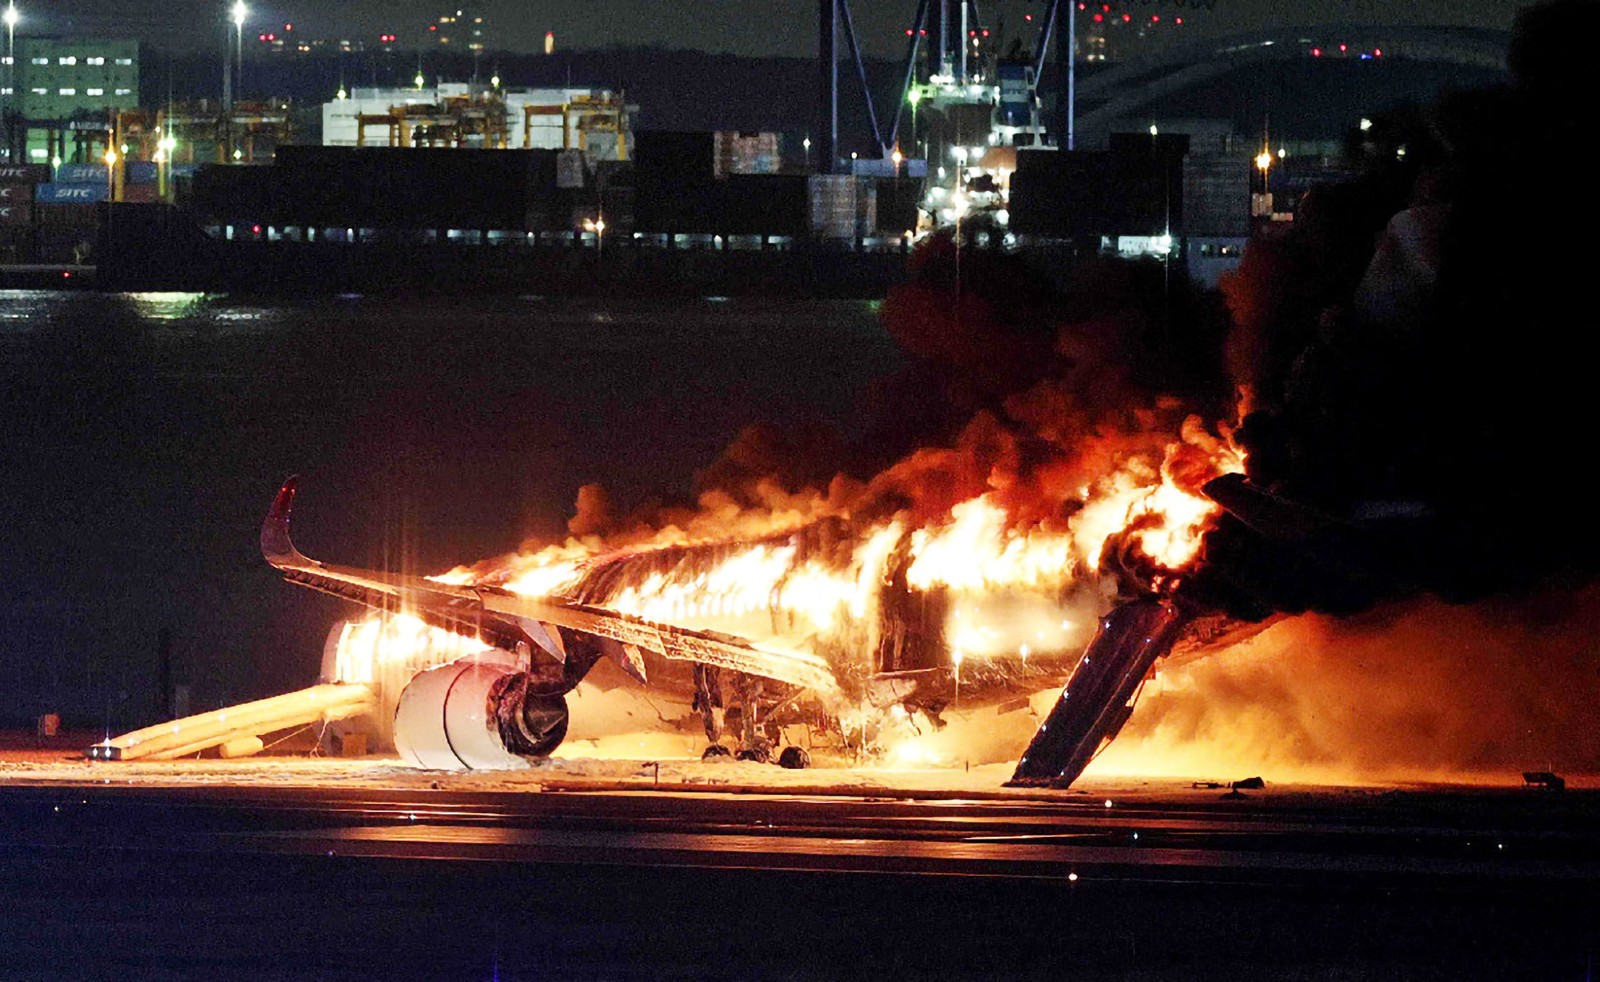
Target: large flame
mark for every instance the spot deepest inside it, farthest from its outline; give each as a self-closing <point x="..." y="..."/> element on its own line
<point x="1013" y="579"/>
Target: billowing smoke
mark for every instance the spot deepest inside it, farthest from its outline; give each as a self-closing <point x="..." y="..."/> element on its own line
<point x="1415" y="690"/>
<point x="1416" y="406"/>
<point x="1406" y="349"/>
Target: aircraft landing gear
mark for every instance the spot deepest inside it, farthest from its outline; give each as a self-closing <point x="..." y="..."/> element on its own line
<point x="708" y="700"/>
<point x="760" y="752"/>
<point x="742" y="716"/>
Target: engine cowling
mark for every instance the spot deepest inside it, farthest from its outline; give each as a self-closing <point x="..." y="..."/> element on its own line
<point x="477" y="713"/>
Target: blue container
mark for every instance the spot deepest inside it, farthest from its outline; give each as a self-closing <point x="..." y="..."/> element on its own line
<point x="81" y="174"/>
<point x="1016" y="97"/>
<point x="71" y="194"/>
<point x="141" y="172"/>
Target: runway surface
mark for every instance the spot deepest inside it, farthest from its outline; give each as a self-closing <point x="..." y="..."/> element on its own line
<point x="436" y="883"/>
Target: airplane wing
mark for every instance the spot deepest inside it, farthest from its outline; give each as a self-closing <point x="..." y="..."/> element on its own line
<point x="511" y="621"/>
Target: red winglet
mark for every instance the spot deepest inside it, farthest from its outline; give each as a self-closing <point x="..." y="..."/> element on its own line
<point x="276" y="546"/>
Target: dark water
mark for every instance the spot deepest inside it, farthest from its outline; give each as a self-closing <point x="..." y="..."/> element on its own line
<point x="143" y="435"/>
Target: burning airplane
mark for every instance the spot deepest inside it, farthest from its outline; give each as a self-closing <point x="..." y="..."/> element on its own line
<point x="837" y="614"/>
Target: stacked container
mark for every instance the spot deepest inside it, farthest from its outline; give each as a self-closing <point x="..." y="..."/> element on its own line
<point x="16" y="210"/>
<point x="843" y="206"/>
<point x="744" y="153"/>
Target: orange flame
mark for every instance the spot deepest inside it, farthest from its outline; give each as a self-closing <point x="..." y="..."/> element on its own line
<point x="1022" y="582"/>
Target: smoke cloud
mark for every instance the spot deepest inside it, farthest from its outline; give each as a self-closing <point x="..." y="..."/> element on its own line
<point x="1409" y="691"/>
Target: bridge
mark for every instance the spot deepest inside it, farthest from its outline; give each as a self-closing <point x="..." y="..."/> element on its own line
<point x="1127" y="87"/>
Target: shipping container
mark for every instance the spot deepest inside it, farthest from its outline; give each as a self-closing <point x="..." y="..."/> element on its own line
<point x="1088" y="194"/>
<point x="72" y="215"/>
<point x="388" y="187"/>
<point x="139" y="194"/>
<point x="667" y="157"/>
<point x="886" y="167"/>
<point x="1016" y="93"/>
<point x="16" y="243"/>
<point x="16" y="214"/>
<point x="843" y="206"/>
<point x="570" y="169"/>
<point x="65" y="243"/>
<point x="898" y="201"/>
<point x="81" y="174"/>
<point x="1216" y="196"/>
<point x="15" y="194"/>
<point x="24" y="173"/>
<point x="62" y="193"/>
<point x="745" y="153"/>
<point x="763" y="204"/>
<point x="141" y="172"/>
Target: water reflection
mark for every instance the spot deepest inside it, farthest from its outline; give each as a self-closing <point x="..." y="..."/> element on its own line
<point x="167" y="306"/>
<point x="20" y="309"/>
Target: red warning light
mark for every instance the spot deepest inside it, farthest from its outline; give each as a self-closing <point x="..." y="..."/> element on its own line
<point x="272" y="37"/>
<point x="261" y="37"/>
<point x="1178" y="20"/>
<point x="908" y="32"/>
<point x="1343" y="48"/>
<point x="1126" y="18"/>
<point x="66" y="274"/>
<point x="256" y="229"/>
<point x="923" y="32"/>
<point x="1028" y="18"/>
<point x="433" y="27"/>
<point x="1377" y="52"/>
<point x="1155" y="18"/>
<point x="985" y="33"/>
<point x="1316" y="52"/>
<point x="1099" y="18"/>
<point x="288" y="27"/>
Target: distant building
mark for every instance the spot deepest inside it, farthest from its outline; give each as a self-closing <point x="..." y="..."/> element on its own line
<point x="463" y="114"/>
<point x="58" y="78"/>
<point x="71" y="83"/>
<point x="463" y="30"/>
<point x="1114" y="31"/>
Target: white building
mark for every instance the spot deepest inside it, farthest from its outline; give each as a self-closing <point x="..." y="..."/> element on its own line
<point x="595" y="120"/>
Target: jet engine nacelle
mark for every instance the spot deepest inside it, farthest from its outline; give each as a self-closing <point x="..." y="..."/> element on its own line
<point x="481" y="712"/>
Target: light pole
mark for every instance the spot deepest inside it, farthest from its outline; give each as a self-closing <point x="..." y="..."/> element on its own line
<point x="240" y="12"/>
<point x="111" y="174"/>
<point x="914" y="97"/>
<point x="11" y="17"/>
<point x="597" y="226"/>
<point x="166" y="148"/>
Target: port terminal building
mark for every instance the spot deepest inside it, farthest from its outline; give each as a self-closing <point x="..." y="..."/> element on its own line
<point x="463" y="115"/>
<point x="61" y="87"/>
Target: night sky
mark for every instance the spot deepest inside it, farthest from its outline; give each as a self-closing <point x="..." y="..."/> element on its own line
<point x="748" y="27"/>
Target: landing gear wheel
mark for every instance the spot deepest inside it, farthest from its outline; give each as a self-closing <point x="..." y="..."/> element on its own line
<point x="759" y="753"/>
<point x="794" y="758"/>
<point x="716" y="752"/>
